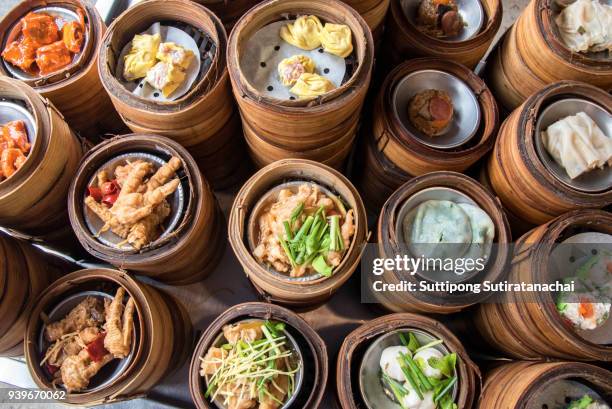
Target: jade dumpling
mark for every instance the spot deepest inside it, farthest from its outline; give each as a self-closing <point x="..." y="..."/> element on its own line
<point x="290" y="69"/>
<point x="311" y="85"/>
<point x="337" y="39"/>
<point x="141" y="57"/>
<point x="304" y="32"/>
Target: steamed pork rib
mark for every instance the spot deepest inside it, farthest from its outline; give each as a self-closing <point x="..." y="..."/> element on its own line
<point x="132" y="206"/>
<point x="90" y="336"/>
<point x="14" y="148"/>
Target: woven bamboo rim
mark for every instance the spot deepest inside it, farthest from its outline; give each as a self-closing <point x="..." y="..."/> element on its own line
<point x="315" y="348"/>
<point x="355" y="344"/>
<point x="388" y="246"/>
<point x="184" y="256"/>
<point x="271" y="286"/>
<point x="372" y="11"/>
<point x="157" y="344"/>
<point x="510" y="324"/>
<point x="32" y="201"/>
<point x="518" y="176"/>
<point x="406" y="41"/>
<point x="228" y="11"/>
<point x="512" y="385"/>
<point x="76" y="90"/>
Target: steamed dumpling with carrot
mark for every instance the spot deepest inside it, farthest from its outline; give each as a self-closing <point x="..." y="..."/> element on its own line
<point x="311" y="85"/>
<point x="337" y="39"/>
<point x="304" y="32"/>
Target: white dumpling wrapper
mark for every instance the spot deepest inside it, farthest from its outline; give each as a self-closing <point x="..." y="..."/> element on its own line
<point x="412" y="400"/>
<point x="427" y="369"/>
<point x="586" y="25"/>
<point x="389" y="362"/>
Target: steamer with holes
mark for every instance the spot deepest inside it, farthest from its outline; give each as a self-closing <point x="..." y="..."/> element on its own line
<point x="525" y="177"/>
<point x="540" y="385"/>
<point x="532" y="55"/>
<point x="75" y="89"/>
<point x="185" y="247"/>
<point x="33" y="199"/>
<point x="277" y="124"/>
<point x="203" y="119"/>
<point x="572" y="246"/>
<point x="481" y="18"/>
<point x="396" y="151"/>
<point x="25" y="271"/>
<point x="159" y="340"/>
<point x="260" y="189"/>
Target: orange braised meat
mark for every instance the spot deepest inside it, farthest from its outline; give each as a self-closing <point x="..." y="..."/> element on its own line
<point x="21" y="54"/>
<point x="52" y="57"/>
<point x="40" y="29"/>
<point x="14" y="147"/>
<point x="72" y="33"/>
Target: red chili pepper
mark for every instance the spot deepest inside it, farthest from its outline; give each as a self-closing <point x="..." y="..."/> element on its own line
<point x="96" y="349"/>
<point x="52" y="369"/>
<point x="110" y="187"/>
<point x="110" y="199"/>
<point x="94" y="192"/>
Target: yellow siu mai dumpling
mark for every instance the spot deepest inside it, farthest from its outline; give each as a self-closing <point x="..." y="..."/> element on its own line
<point x="311" y="85"/>
<point x="337" y="39"/>
<point x="290" y="69"/>
<point x="141" y="56"/>
<point x="165" y="77"/>
<point x="303" y="33"/>
<point x="175" y="54"/>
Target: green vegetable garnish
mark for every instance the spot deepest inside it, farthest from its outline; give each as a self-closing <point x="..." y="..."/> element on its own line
<point x="581" y="403"/>
<point x="446" y="386"/>
<point x="446" y="364"/>
<point x="321" y="267"/>
<point x="410" y="377"/>
<point x="398" y="390"/>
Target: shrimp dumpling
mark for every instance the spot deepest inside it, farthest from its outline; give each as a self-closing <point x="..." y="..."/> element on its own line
<point x="311" y="85"/>
<point x="337" y="39"/>
<point x="175" y="54"/>
<point x="141" y="57"/>
<point x="290" y="69"/>
<point x="304" y="32"/>
<point x="165" y="77"/>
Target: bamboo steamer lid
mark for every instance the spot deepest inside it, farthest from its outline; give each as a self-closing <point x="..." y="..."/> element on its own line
<point x="312" y="347"/>
<point x="160" y="335"/>
<point x="76" y="89"/>
<point x="517" y="174"/>
<point x="406" y="41"/>
<point x="354" y="345"/>
<point x="303" y="128"/>
<point x="517" y="384"/>
<point x="527" y="325"/>
<point x="271" y="286"/>
<point x="184" y="255"/>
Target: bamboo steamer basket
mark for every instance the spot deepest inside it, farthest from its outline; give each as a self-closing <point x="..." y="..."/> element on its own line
<point x="303" y="128"/>
<point x="533" y="55"/>
<point x="284" y="290"/>
<point x="313" y="350"/>
<point x="405" y="41"/>
<point x="228" y="11"/>
<point x="388" y="246"/>
<point x="75" y="90"/>
<point x="163" y="335"/>
<point x="518" y="176"/>
<point x="32" y="201"/>
<point x="203" y="120"/>
<point x="514" y="385"/>
<point x="393" y="153"/>
<point x="24" y="274"/>
<point x="372" y="11"/>
<point x="355" y="344"/>
<point x="186" y="255"/>
<point x="527" y="325"/>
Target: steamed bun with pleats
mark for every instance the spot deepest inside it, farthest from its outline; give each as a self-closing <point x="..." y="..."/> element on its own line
<point x="290" y="69"/>
<point x="578" y="144"/>
<point x="311" y="85"/>
<point x="304" y="32"/>
<point x="337" y="39"/>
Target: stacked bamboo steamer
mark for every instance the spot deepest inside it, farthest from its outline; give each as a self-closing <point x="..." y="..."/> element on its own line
<point x="313" y="351"/>
<point x="161" y="343"/>
<point x="406" y="41"/>
<point x="373" y="12"/>
<point x="286" y="290"/>
<point x="320" y="129"/>
<point x="517" y="174"/>
<point x="187" y="253"/>
<point x="24" y="274"/>
<point x="76" y="89"/>
<point x="532" y="55"/>
<point x="228" y="11"/>
<point x="393" y="154"/>
<point x="204" y="120"/>
<point x="543" y="384"/>
<point x="508" y="324"/>
<point x="33" y="199"/>
<point x="355" y="344"/>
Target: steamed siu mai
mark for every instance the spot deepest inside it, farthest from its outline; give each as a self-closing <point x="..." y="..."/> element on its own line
<point x="311" y="85"/>
<point x="290" y="69"/>
<point x="304" y="32"/>
<point x="337" y="39"/>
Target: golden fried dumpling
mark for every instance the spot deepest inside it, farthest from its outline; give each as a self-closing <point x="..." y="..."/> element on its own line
<point x="290" y="69"/>
<point x="175" y="54"/>
<point x="304" y="33"/>
<point x="311" y="85"/>
<point x="141" y="56"/>
<point x="165" y="77"/>
<point x="337" y="39"/>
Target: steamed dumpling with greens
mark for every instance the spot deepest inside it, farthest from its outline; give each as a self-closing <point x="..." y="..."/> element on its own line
<point x="290" y="69"/>
<point x="311" y="85"/>
<point x="337" y="39"/>
<point x="304" y="32"/>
